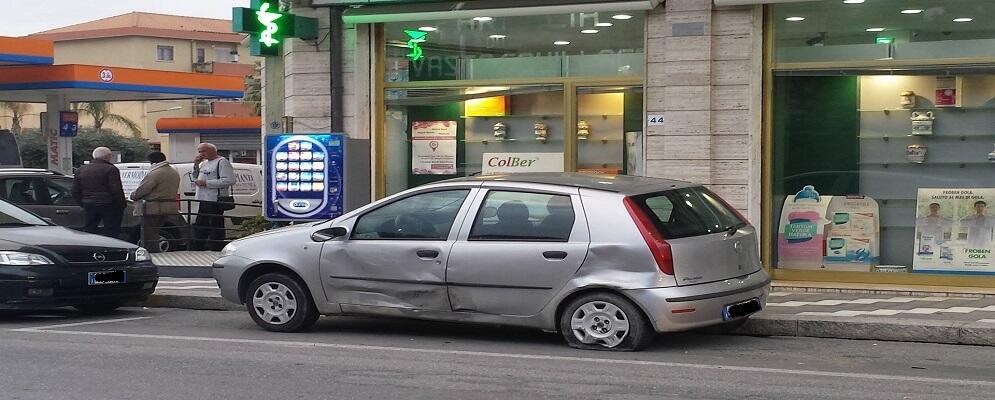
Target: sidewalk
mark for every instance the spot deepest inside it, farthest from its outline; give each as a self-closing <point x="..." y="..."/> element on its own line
<point x="793" y="309"/>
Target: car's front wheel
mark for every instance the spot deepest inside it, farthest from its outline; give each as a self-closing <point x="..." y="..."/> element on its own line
<point x="280" y="303"/>
<point x="605" y="321"/>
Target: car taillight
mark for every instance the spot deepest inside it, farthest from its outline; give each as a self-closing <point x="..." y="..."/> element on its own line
<point x="654" y="240"/>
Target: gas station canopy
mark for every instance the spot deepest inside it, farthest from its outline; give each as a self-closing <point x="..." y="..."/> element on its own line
<point x="21" y="51"/>
<point x="79" y="83"/>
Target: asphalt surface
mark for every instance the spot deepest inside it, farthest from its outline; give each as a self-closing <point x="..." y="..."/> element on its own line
<point x="189" y="354"/>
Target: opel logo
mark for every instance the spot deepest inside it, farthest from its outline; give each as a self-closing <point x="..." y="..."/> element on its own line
<point x="100" y="257"/>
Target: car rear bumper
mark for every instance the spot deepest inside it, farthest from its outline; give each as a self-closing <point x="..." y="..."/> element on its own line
<point x="682" y="308"/>
<point x="62" y="286"/>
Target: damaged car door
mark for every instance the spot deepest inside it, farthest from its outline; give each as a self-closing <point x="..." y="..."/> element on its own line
<point x="396" y="254"/>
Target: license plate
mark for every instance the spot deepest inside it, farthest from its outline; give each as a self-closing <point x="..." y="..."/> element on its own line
<point x="741" y="309"/>
<point x="106" y="278"/>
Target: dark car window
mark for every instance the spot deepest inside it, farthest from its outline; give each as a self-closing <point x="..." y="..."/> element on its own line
<point x="60" y="192"/>
<point x="11" y="215"/>
<point x="686" y="212"/>
<point x="23" y="191"/>
<point x="422" y="216"/>
<point x="522" y="216"/>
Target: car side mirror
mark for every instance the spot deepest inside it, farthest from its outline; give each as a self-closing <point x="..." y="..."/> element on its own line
<point x="327" y="234"/>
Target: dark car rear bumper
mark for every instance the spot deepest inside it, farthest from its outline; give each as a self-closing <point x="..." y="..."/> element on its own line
<point x="65" y="286"/>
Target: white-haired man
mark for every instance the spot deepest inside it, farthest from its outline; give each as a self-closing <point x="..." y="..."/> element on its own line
<point x="215" y="176"/>
<point x="97" y="188"/>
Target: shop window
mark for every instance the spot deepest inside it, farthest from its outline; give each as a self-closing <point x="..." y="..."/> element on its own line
<point x="540" y="46"/>
<point x="164" y="53"/>
<point x="833" y="31"/>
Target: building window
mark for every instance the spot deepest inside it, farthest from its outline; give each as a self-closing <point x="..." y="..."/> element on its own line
<point x="878" y="169"/>
<point x="201" y="55"/>
<point x="164" y="53"/>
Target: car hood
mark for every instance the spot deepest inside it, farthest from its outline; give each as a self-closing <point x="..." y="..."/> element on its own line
<point x="55" y="237"/>
<point x="279" y="231"/>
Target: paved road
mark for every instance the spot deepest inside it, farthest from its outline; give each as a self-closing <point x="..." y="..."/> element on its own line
<point x="185" y="354"/>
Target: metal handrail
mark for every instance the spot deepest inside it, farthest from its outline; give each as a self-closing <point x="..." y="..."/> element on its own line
<point x="188" y="219"/>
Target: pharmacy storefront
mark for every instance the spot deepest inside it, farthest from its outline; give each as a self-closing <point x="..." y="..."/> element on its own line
<point x="880" y="142"/>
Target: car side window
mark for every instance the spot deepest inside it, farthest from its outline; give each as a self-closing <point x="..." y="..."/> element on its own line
<point x="21" y="191"/>
<point x="427" y="216"/>
<point x="523" y="216"/>
<point x="60" y="192"/>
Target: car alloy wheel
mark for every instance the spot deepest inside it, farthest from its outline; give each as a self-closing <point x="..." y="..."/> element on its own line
<point x="281" y="303"/>
<point x="274" y="303"/>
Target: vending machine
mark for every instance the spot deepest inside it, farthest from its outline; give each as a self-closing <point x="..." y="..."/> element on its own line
<point x="304" y="176"/>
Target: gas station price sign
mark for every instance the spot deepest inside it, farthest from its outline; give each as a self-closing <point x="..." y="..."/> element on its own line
<point x="304" y="176"/>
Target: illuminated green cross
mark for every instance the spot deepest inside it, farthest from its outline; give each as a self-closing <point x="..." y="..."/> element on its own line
<point x="267" y="27"/>
<point x="417" y="38"/>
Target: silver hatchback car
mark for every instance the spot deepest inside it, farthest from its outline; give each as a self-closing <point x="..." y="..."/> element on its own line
<point x="606" y="261"/>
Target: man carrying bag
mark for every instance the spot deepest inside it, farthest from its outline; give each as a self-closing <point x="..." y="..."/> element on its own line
<point x="215" y="177"/>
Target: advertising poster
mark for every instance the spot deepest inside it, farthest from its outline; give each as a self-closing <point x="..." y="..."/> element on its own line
<point x="954" y="229"/>
<point x="801" y="233"/>
<point x="852" y="234"/>
<point x="433" y="148"/>
<point x="304" y="175"/>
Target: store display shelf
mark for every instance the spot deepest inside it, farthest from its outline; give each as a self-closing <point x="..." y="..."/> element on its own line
<point x="513" y="116"/>
<point x="887" y="164"/>
<point x="601" y="140"/>
<point x="961" y="109"/>
<point x="962" y="138"/>
<point x="510" y="141"/>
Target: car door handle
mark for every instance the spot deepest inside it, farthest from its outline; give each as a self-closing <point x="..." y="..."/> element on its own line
<point x="554" y="255"/>
<point x="62" y="212"/>
<point x="427" y="254"/>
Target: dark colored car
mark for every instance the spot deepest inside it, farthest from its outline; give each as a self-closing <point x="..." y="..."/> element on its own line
<point x="50" y="195"/>
<point x="44" y="266"/>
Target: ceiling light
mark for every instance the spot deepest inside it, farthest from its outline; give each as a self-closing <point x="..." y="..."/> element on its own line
<point x="911" y="11"/>
<point x="795" y="19"/>
<point x="604" y="24"/>
<point x="482" y="19"/>
<point x="963" y="19"/>
<point x="874" y="29"/>
<point x="498" y="36"/>
<point x="428" y="29"/>
<point x="590" y="31"/>
<point x="852" y="1"/>
<point x="621" y="16"/>
<point x="561" y="42"/>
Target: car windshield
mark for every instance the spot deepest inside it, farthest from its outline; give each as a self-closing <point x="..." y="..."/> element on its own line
<point x="11" y="215"/>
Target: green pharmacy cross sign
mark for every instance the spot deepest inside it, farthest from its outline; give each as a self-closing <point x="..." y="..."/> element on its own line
<point x="416" y="38"/>
<point x="267" y="26"/>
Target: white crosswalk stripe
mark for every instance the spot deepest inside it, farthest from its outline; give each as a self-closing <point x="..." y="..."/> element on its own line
<point x="890" y="312"/>
<point x="795" y="303"/>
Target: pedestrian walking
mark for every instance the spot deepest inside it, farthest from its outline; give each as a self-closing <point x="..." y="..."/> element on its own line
<point x="155" y="199"/>
<point x="215" y="176"/>
<point x="97" y="188"/>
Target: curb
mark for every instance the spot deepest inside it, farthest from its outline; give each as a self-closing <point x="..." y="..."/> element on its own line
<point x="191" y="302"/>
<point x="885" y="329"/>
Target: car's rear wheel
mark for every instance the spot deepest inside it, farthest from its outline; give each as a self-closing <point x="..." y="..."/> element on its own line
<point x="280" y="303"/>
<point x="98" y="308"/>
<point x="605" y="321"/>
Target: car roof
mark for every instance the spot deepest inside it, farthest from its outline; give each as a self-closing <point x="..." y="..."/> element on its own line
<point x="27" y="171"/>
<point x="623" y="184"/>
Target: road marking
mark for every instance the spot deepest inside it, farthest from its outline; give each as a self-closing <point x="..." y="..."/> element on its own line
<point x="517" y="356"/>
<point x="102" y="321"/>
<point x="172" y="282"/>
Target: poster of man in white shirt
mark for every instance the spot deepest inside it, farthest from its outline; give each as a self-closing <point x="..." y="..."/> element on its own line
<point x="954" y="232"/>
<point x="979" y="226"/>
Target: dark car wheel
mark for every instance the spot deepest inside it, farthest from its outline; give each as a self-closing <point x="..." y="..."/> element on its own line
<point x="605" y="321"/>
<point x="279" y="303"/>
<point x="98" y="308"/>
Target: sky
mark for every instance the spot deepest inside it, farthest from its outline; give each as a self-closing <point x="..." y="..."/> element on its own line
<point x="22" y="17"/>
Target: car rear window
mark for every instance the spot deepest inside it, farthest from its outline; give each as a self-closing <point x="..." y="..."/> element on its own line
<point x="686" y="212"/>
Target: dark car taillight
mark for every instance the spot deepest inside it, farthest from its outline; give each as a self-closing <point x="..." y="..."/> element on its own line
<point x="654" y="240"/>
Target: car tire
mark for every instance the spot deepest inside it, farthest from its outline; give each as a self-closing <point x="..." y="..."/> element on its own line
<point x="605" y="321"/>
<point x="98" y="308"/>
<point x="280" y="303"/>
